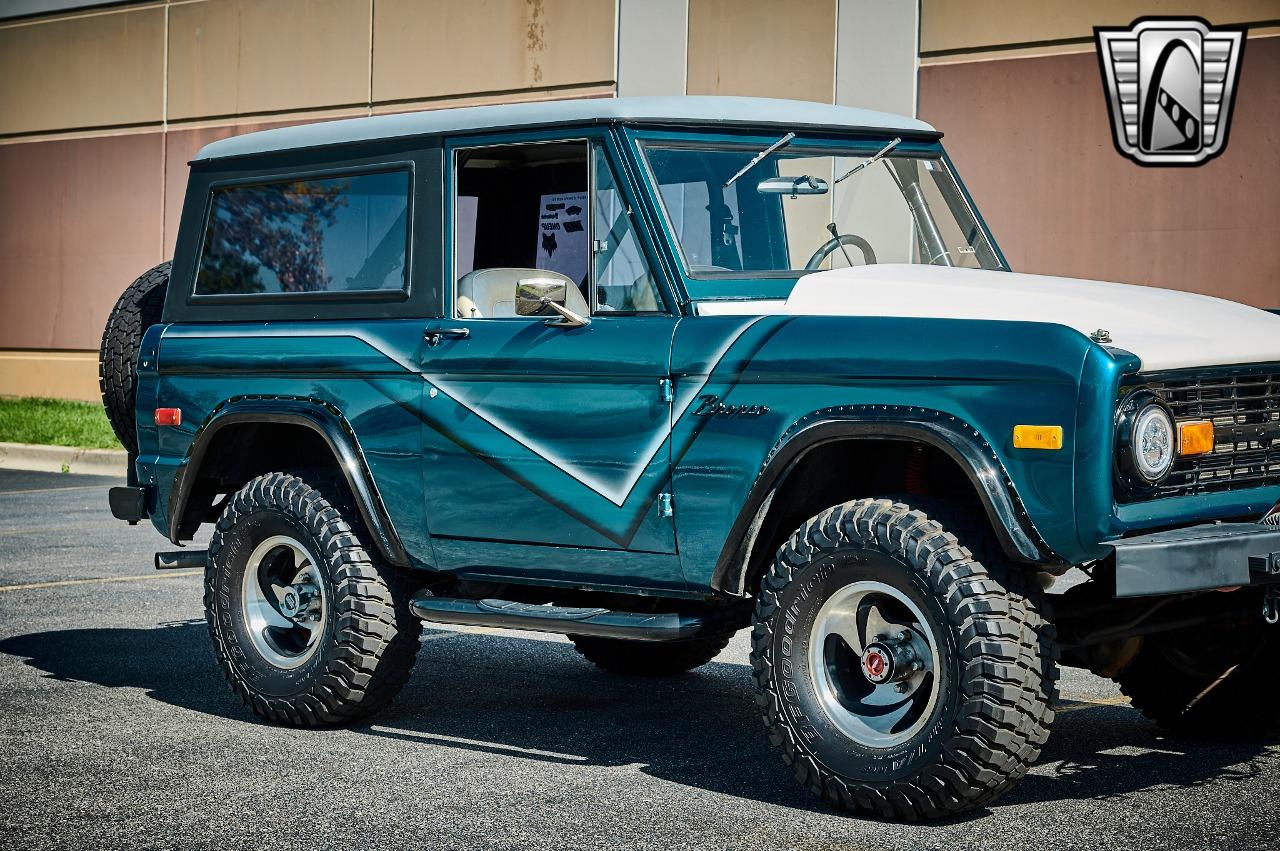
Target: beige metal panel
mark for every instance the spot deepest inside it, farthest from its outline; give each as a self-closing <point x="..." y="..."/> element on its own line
<point x="947" y="25"/>
<point x="51" y="374"/>
<point x="1035" y="150"/>
<point x="180" y="148"/>
<point x="81" y="220"/>
<point x="653" y="47"/>
<point x="763" y="48"/>
<point x="429" y="50"/>
<point x="235" y="57"/>
<point x="82" y="72"/>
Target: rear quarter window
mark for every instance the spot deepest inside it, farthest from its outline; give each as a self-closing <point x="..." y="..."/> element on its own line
<point x="328" y="234"/>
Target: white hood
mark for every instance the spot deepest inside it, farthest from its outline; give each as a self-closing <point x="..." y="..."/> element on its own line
<point x="1165" y="328"/>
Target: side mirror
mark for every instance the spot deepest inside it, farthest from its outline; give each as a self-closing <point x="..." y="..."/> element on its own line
<point x="535" y="295"/>
<point x="805" y="184"/>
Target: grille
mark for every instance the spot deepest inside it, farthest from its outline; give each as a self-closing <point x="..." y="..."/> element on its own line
<point x="1244" y="405"/>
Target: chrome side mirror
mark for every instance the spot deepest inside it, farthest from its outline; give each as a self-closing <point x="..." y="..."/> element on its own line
<point x="534" y="296"/>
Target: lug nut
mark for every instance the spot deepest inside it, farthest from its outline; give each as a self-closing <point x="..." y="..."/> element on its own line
<point x="901" y="688"/>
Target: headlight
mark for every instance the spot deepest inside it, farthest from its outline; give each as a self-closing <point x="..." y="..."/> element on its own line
<point x="1153" y="444"/>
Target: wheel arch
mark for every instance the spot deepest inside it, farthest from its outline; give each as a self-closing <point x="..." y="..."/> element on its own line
<point x="747" y="547"/>
<point x="280" y="417"/>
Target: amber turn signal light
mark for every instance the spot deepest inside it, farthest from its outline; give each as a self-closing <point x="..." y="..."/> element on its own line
<point x="168" y="416"/>
<point x="1037" y="437"/>
<point x="1195" y="438"/>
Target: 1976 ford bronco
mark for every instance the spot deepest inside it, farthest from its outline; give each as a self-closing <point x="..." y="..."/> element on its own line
<point x="646" y="372"/>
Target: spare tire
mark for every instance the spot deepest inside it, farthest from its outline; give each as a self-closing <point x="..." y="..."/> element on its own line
<point x="139" y="308"/>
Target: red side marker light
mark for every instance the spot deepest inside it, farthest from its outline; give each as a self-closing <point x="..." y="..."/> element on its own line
<point x="168" y="416"/>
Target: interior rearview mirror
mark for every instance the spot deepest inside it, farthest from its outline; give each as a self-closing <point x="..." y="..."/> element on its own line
<point x="533" y="295"/>
<point x="805" y="184"/>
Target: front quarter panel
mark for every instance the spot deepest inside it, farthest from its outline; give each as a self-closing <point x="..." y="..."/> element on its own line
<point x="988" y="375"/>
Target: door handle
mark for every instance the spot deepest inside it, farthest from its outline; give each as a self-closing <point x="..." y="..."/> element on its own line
<point x="433" y="336"/>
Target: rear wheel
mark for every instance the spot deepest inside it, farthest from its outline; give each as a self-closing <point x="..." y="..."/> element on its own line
<point x="1212" y="682"/>
<point x="898" y="675"/>
<point x="649" y="658"/>
<point x="308" y="627"/>
<point x="138" y="308"/>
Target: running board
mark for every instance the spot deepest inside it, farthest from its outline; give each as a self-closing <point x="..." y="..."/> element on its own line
<point x="603" y="623"/>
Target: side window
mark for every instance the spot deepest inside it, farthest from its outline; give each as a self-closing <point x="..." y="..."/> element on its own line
<point x="520" y="212"/>
<point x="312" y="235"/>
<point x="623" y="281"/>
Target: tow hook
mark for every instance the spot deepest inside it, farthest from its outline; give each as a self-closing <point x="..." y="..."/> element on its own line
<point x="1271" y="606"/>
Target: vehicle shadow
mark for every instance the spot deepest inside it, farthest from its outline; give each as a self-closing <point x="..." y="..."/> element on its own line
<point x="539" y="700"/>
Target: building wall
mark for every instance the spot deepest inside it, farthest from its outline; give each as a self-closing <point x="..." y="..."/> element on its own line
<point x="1017" y="90"/>
<point x="102" y="106"/>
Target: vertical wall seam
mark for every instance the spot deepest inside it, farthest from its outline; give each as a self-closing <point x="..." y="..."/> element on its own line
<point x="372" y="15"/>
<point x="164" y="133"/>
<point x="835" y="57"/>
<point x="617" y="47"/>
<point x="687" y="34"/>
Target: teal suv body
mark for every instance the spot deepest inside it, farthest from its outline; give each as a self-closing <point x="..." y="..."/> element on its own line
<point x="649" y="372"/>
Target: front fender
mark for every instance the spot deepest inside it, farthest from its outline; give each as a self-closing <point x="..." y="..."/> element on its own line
<point x="957" y="439"/>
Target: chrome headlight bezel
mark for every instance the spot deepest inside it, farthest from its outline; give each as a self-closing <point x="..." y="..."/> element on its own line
<point x="1143" y="409"/>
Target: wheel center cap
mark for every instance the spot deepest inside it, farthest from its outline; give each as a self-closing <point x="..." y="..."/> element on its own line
<point x="877" y="664"/>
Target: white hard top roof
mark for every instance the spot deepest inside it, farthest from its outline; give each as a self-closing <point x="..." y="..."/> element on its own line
<point x="740" y="111"/>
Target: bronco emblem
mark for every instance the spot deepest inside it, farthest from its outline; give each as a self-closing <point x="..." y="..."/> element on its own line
<point x="711" y="406"/>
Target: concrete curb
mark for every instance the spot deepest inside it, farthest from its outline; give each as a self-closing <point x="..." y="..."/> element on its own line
<point x="60" y="459"/>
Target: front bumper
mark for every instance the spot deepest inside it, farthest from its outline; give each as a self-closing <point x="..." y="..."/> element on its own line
<point x="1197" y="558"/>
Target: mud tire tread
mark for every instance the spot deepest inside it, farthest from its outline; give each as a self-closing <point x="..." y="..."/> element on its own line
<point x="1003" y="633"/>
<point x="375" y="637"/>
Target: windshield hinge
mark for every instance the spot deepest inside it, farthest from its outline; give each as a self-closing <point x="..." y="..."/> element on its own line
<point x="666" y="508"/>
<point x="667" y="389"/>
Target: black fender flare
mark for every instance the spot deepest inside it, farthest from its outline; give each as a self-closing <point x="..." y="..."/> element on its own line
<point x="322" y="418"/>
<point x="960" y="441"/>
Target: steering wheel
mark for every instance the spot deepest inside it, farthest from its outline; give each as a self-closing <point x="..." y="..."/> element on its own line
<point x="868" y="253"/>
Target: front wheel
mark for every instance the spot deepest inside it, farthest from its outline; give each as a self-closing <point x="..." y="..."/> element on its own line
<point x="308" y="627"/>
<point x="898" y="675"/>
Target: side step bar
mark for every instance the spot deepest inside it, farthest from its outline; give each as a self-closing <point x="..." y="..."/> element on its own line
<point x="603" y="623"/>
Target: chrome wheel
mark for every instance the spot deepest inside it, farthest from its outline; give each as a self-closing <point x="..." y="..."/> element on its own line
<point x="284" y="602"/>
<point x="874" y="660"/>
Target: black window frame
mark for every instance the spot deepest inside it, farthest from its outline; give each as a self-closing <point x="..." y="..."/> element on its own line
<point x="421" y="298"/>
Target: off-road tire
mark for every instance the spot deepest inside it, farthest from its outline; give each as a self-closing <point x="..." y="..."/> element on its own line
<point x="138" y="308"/>
<point x="1215" y="682"/>
<point x="371" y="637"/>
<point x="995" y="702"/>
<point x="649" y="658"/>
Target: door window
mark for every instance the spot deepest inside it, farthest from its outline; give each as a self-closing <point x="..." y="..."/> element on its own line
<point x="550" y="211"/>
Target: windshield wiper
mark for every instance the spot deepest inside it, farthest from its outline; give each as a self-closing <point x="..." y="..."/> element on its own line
<point x="778" y="145"/>
<point x="871" y="160"/>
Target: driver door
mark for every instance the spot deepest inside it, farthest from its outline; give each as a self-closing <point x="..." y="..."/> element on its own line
<point x="544" y="435"/>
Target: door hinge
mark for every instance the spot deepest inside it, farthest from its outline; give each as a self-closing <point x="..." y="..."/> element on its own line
<point x="668" y="389"/>
<point x="665" y="507"/>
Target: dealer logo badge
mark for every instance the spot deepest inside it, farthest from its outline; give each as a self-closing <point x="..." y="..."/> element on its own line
<point x="1170" y="86"/>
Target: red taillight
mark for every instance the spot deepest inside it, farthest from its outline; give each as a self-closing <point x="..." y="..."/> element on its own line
<point x="168" y="416"/>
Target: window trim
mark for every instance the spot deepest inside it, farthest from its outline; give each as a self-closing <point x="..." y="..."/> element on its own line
<point x="406" y="166"/>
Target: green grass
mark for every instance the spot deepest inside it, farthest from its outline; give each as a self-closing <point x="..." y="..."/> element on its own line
<point x="55" y="422"/>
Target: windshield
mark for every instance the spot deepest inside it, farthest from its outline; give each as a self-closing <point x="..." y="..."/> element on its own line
<point x="804" y="209"/>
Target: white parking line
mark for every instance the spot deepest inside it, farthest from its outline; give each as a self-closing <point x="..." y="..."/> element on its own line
<point x="160" y="574"/>
<point x="49" y="490"/>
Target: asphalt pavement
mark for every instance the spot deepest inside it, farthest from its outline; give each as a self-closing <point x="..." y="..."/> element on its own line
<point x="117" y="730"/>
